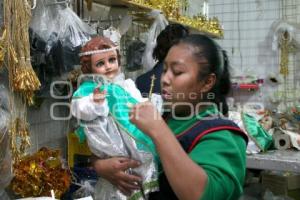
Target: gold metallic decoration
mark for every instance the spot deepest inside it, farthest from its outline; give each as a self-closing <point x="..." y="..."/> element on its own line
<point x="3" y="47"/>
<point x="151" y="86"/>
<point x="173" y="10"/>
<point x="284" y="54"/>
<point x="42" y="172"/>
<point x="200" y="22"/>
<point x="19" y="129"/>
<point x="170" y="8"/>
<point x="22" y="79"/>
<point x="26" y="82"/>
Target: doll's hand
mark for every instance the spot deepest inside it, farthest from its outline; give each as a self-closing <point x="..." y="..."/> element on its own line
<point x="147" y="118"/>
<point x="114" y="170"/>
<point x="99" y="97"/>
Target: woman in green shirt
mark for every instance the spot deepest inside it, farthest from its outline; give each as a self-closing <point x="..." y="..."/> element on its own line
<point x="195" y="78"/>
<point x="202" y="154"/>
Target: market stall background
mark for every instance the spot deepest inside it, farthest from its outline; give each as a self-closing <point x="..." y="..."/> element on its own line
<point x="250" y="28"/>
<point x="247" y="25"/>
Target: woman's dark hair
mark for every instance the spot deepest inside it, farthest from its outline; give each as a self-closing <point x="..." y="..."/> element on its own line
<point x="213" y="59"/>
<point x="166" y="38"/>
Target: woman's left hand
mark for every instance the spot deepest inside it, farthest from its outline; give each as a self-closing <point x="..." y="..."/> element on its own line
<point x="146" y="117"/>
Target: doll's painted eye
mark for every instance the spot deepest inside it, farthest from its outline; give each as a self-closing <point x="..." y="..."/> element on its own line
<point x="112" y="60"/>
<point x="100" y="63"/>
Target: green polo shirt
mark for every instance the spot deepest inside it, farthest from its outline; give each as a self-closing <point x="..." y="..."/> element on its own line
<point x="222" y="155"/>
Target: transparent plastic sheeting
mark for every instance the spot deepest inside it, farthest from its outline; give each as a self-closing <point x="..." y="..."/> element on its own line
<point x="158" y="25"/>
<point x="61" y="20"/>
<point x="5" y="157"/>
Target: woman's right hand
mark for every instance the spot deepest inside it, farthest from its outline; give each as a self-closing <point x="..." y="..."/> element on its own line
<point x="114" y="170"/>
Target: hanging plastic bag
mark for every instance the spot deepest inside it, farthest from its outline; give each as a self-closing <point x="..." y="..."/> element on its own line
<point x="56" y="36"/>
<point x="85" y="190"/>
<point x="158" y="25"/>
<point x="5" y="157"/>
<point x="63" y="33"/>
<point x="74" y="32"/>
<point x="54" y="22"/>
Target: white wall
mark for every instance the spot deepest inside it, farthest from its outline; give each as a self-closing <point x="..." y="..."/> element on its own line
<point x="247" y="27"/>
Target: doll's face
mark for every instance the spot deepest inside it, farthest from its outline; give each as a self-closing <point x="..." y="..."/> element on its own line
<point x="106" y="64"/>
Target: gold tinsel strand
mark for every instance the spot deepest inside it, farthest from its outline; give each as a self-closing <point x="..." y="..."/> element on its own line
<point x="3" y="47"/>
<point x="22" y="79"/>
<point x="172" y="10"/>
<point x="26" y="82"/>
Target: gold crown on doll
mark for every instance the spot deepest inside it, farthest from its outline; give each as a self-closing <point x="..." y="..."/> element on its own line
<point x="97" y="51"/>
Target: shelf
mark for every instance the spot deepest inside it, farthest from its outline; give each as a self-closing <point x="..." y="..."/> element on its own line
<point x="286" y="160"/>
<point x="131" y="6"/>
<point x="123" y="4"/>
<point x="194" y="30"/>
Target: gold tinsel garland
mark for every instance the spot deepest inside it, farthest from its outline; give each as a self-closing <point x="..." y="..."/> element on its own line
<point x="26" y="82"/>
<point x="22" y="79"/>
<point x="3" y="47"/>
<point x="42" y="172"/>
<point x="21" y="75"/>
<point x="209" y="26"/>
<point x="172" y="10"/>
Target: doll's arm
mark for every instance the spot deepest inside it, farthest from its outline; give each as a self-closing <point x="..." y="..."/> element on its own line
<point x="86" y="108"/>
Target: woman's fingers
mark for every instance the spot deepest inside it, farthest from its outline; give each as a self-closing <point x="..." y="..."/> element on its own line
<point x="127" y="187"/>
<point x="127" y="163"/>
<point x="124" y="190"/>
<point x="131" y="178"/>
<point x="130" y="185"/>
